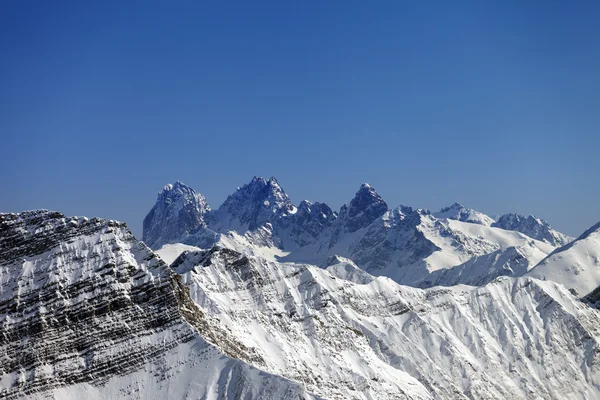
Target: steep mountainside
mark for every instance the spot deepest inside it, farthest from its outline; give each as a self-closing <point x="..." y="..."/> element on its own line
<point x="87" y="311"/>
<point x="252" y="206"/>
<point x="513" y="338"/>
<point x="576" y="264"/>
<point x="178" y="212"/>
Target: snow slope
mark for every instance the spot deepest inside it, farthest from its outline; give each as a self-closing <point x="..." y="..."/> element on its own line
<point x="576" y="265"/>
<point x="461" y="213"/>
<point x="169" y="252"/>
<point x="512" y="338"/>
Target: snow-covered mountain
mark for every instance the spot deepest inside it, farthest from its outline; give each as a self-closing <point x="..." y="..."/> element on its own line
<point x="292" y="308"/>
<point x="179" y="211"/>
<point x="411" y="246"/>
<point x="461" y="213"/>
<point x="252" y="206"/>
<point x="370" y="338"/>
<point x="533" y="227"/>
<point x="576" y="264"/>
<point x="88" y="312"/>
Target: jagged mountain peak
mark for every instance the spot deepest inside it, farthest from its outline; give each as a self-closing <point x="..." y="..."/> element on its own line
<point x="177" y="186"/>
<point x="454" y="206"/>
<point x="367" y="188"/>
<point x="260" y="189"/>
<point x="253" y="205"/>
<point x="366" y="206"/>
<point x="179" y="210"/>
<point x="305" y="205"/>
<point x="174" y="191"/>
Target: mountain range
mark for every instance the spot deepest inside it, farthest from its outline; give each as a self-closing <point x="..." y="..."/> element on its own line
<point x="264" y="299"/>
<point x="411" y="246"/>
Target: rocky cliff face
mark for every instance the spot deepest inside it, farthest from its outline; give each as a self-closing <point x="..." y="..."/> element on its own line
<point x="86" y="308"/>
<point x="252" y="206"/>
<point x="366" y="206"/>
<point x="307" y="225"/>
<point x="179" y="211"/>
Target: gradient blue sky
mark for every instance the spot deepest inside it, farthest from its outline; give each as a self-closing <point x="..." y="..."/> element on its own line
<point x="493" y="104"/>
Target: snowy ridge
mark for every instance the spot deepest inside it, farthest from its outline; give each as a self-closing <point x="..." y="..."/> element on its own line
<point x="87" y="310"/>
<point x="512" y="338"/>
<point x="576" y="264"/>
<point x="460" y="213"/>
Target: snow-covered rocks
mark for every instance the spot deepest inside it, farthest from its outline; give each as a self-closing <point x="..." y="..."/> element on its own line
<point x="87" y="311"/>
<point x="512" y="338"/>
<point x="366" y="206"/>
<point x="179" y="211"/>
<point x="252" y="206"/>
<point x="532" y="227"/>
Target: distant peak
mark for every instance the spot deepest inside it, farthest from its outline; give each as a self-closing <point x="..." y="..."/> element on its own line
<point x="454" y="206"/>
<point x="254" y="204"/>
<point x="304" y="205"/>
<point x="177" y="186"/>
<point x="366" y="194"/>
<point x="260" y="187"/>
<point x="366" y="206"/>
<point x="366" y="187"/>
<point x="178" y="211"/>
<point x="260" y="181"/>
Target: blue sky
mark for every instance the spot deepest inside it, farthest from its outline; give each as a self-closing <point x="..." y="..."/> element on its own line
<point x="493" y="104"/>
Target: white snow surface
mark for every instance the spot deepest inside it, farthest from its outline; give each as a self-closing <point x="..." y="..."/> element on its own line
<point x="461" y="213"/>
<point x="516" y="338"/>
<point x="576" y="264"/>
<point x="193" y="370"/>
<point x="169" y="252"/>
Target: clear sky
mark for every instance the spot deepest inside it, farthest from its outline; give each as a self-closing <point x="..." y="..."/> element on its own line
<point x="495" y="104"/>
